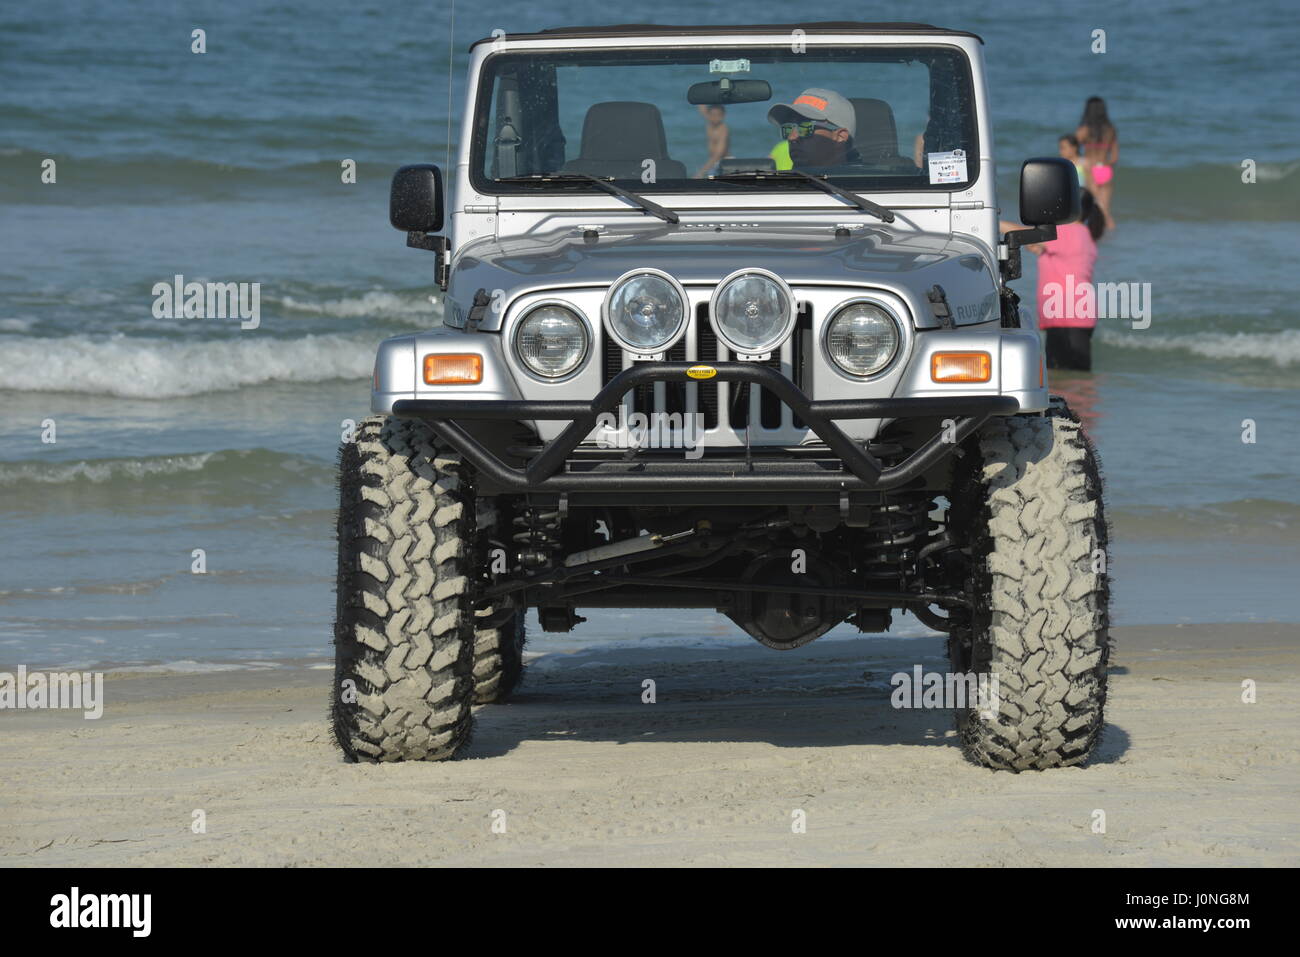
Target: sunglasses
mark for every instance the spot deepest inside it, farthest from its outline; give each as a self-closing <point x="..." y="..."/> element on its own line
<point x="806" y="127"/>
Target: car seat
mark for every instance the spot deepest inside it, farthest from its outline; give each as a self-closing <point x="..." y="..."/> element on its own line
<point x="877" y="141"/>
<point x="617" y="137"/>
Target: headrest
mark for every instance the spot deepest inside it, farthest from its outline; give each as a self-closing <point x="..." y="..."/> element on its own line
<point x="620" y="130"/>
<point x="877" y="135"/>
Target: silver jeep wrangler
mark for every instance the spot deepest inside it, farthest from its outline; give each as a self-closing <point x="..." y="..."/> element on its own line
<point x="794" y="387"/>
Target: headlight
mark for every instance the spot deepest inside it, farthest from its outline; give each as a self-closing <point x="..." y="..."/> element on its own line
<point x="752" y="311"/>
<point x="552" y="340"/>
<point x="862" y="338"/>
<point x="645" y="311"/>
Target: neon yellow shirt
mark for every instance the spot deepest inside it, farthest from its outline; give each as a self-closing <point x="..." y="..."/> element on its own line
<point x="781" y="155"/>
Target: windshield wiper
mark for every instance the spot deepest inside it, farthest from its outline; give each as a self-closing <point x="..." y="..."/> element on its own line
<point x="601" y="182"/>
<point x="760" y="175"/>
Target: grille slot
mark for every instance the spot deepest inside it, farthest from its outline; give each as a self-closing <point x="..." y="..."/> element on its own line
<point x="611" y="358"/>
<point x="801" y="352"/>
<point x="707" y="349"/>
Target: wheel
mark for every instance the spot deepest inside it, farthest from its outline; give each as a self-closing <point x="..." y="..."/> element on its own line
<point x="498" y="654"/>
<point x="404" y="629"/>
<point x="499" y="632"/>
<point x="1029" y="508"/>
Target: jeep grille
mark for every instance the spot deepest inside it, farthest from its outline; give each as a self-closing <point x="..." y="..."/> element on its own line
<point x="725" y="405"/>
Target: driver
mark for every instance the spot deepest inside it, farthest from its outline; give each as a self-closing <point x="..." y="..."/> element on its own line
<point x="818" y="126"/>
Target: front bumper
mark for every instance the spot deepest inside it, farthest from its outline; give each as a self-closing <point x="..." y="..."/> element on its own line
<point x="849" y="467"/>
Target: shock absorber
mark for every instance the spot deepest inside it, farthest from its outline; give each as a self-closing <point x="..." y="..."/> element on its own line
<point x="890" y="542"/>
<point x="537" y="537"/>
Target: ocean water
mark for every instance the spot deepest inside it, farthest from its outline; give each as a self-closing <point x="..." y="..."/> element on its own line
<point x="174" y="435"/>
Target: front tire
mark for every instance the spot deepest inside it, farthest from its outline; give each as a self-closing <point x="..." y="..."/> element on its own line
<point x="1030" y="510"/>
<point x="404" y="628"/>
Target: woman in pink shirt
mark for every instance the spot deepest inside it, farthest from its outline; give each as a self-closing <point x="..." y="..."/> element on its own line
<point x="1067" y="302"/>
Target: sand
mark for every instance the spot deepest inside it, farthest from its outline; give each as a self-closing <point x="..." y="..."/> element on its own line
<point x="581" y="772"/>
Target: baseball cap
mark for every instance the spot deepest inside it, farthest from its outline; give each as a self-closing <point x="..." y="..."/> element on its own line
<point x="817" y="104"/>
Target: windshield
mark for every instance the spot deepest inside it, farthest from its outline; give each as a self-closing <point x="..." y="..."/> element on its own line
<point x="869" y="118"/>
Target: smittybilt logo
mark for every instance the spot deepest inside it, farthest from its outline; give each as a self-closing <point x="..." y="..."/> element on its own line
<point x="103" y="910"/>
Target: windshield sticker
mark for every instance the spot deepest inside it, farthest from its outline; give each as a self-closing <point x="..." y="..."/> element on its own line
<point x="728" y="66"/>
<point x="947" y="167"/>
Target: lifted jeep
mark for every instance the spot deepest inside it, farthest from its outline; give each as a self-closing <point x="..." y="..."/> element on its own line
<point x="797" y="389"/>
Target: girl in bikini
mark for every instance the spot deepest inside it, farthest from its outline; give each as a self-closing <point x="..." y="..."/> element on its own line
<point x="1100" y="142"/>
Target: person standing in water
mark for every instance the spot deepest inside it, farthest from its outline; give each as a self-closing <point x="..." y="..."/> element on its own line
<point x="1096" y="135"/>
<point x="1067" y="305"/>
<point x="1068" y="147"/>
<point x="718" y="136"/>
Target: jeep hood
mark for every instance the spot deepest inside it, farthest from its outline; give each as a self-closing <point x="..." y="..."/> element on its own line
<point x="704" y="253"/>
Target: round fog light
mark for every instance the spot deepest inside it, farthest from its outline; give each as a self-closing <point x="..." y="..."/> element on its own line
<point x="645" y="311"/>
<point x="753" y="311"/>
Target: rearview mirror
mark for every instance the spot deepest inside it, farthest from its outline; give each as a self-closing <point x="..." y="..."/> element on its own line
<point x="1049" y="192"/>
<point x="725" y="91"/>
<point x="415" y="201"/>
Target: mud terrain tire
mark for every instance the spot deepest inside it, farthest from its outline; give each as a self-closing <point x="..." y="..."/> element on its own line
<point x="1030" y="508"/>
<point x="404" y="628"/>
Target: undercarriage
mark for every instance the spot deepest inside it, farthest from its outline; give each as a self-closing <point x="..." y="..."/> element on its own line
<point x="786" y="574"/>
<point x="786" y="541"/>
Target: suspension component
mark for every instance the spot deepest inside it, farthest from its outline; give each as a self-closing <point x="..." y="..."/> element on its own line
<point x="893" y="536"/>
<point x="538" y="538"/>
<point x="628" y="546"/>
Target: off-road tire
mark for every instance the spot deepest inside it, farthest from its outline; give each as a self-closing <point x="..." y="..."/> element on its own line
<point x="1029" y="506"/>
<point x="499" y="631"/>
<point x="404" y="628"/>
<point x="498" y="654"/>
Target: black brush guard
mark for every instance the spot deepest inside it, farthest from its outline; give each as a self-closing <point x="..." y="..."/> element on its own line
<point x="553" y="471"/>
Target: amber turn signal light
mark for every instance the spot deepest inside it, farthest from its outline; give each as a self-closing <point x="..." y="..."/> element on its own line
<point x="461" y="369"/>
<point x="961" y="367"/>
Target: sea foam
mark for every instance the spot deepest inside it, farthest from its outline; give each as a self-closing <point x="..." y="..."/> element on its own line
<point x="1280" y="348"/>
<point x="144" y="368"/>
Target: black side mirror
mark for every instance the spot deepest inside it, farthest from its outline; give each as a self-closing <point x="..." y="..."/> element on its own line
<point x="1049" y="192"/>
<point x="1049" y="197"/>
<point x="415" y="202"/>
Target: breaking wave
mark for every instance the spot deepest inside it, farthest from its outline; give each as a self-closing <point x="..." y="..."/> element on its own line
<point x="1282" y="348"/>
<point x="144" y="368"/>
